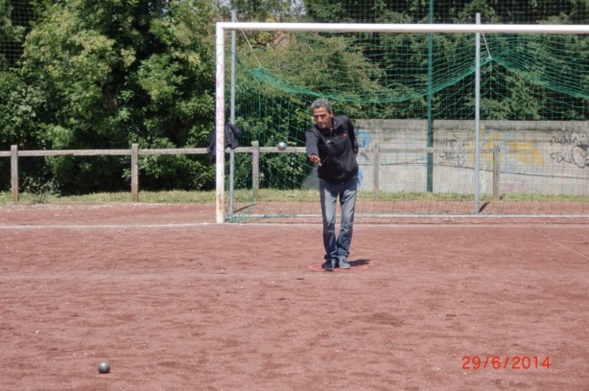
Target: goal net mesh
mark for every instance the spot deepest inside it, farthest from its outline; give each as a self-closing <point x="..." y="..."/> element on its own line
<point x="406" y="92"/>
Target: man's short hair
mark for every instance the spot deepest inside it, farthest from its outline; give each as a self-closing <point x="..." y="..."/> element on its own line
<point x="321" y="103"/>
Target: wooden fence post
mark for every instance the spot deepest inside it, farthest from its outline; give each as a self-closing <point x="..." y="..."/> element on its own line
<point x="375" y="172"/>
<point x="14" y="172"/>
<point x="255" y="167"/>
<point x="135" y="172"/>
<point x="496" y="173"/>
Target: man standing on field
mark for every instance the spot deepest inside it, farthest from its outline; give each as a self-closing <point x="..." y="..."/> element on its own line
<point x="331" y="144"/>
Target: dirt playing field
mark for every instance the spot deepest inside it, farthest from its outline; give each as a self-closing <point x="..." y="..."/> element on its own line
<point x="174" y="301"/>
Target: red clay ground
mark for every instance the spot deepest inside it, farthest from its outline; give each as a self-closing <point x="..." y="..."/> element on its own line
<point x="176" y="302"/>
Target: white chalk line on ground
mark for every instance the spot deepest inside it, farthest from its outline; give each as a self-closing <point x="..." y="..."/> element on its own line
<point x="100" y="226"/>
<point x="561" y="245"/>
<point x="301" y="273"/>
<point x="290" y="225"/>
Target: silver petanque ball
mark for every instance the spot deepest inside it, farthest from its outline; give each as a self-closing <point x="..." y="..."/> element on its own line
<point x="281" y="146"/>
<point x="104" y="367"/>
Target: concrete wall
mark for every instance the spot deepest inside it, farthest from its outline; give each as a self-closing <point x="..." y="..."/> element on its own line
<point x="543" y="157"/>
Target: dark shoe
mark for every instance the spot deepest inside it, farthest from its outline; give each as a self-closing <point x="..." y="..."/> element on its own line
<point x="344" y="264"/>
<point x="327" y="266"/>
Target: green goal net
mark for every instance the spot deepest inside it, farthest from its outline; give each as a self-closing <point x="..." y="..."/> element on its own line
<point x="413" y="100"/>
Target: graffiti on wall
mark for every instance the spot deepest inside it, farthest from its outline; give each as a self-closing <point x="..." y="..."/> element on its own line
<point x="566" y="147"/>
<point x="575" y="148"/>
<point x="456" y="158"/>
<point x="459" y="158"/>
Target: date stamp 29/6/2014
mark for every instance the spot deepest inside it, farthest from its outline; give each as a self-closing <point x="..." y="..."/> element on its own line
<point x="505" y="362"/>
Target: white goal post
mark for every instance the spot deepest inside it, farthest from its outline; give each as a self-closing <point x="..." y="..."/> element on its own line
<point x="222" y="27"/>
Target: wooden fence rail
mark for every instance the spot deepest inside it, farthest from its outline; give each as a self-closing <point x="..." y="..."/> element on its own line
<point x="255" y="150"/>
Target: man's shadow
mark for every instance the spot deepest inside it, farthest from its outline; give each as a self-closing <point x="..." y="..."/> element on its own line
<point x="359" y="262"/>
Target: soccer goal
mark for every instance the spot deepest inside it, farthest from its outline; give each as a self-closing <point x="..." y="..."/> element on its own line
<point x="468" y="119"/>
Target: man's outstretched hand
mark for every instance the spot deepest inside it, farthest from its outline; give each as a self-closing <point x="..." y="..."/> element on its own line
<point x="315" y="159"/>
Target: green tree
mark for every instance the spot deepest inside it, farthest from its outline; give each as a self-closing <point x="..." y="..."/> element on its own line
<point x="447" y="11"/>
<point x="262" y="10"/>
<point x="15" y="22"/>
<point x="120" y="72"/>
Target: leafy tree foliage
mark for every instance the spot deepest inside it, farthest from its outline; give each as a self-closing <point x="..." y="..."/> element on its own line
<point x="263" y="10"/>
<point x="447" y="11"/>
<point x="115" y="72"/>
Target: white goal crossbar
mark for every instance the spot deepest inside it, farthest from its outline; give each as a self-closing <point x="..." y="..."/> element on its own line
<point x="222" y="27"/>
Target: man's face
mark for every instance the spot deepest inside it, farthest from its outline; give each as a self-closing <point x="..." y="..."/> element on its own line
<point x="323" y="118"/>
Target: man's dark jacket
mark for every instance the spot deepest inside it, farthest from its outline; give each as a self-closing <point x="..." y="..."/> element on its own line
<point x="336" y="147"/>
